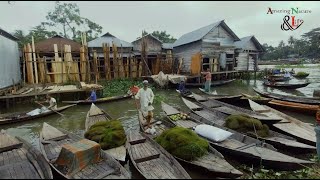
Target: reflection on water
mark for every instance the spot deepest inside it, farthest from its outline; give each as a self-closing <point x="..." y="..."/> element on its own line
<point x="125" y="110"/>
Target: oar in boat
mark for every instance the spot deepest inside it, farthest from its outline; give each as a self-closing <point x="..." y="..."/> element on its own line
<point x="50" y="109"/>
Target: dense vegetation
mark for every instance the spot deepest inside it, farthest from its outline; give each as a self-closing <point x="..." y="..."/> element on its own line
<point x="308" y="46"/>
<point x="183" y="143"/>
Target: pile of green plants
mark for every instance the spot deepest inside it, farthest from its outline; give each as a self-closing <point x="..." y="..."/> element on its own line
<point x="109" y="134"/>
<point x="183" y="143"/>
<point x="118" y="86"/>
<point x="248" y="125"/>
<point x="301" y="74"/>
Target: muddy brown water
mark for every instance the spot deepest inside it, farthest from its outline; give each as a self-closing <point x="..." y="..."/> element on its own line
<point x="125" y="110"/>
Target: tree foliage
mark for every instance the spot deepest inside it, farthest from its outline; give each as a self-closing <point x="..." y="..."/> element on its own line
<point x="161" y="35"/>
<point x="308" y="46"/>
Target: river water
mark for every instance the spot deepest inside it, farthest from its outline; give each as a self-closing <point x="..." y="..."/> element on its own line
<point x="125" y="110"/>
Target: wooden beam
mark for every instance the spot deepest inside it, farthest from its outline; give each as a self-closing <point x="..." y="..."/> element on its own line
<point x="35" y="61"/>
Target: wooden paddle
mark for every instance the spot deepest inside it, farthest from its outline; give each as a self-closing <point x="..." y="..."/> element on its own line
<point x="50" y="109"/>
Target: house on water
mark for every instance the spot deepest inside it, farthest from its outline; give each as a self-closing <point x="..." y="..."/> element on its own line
<point x="10" y="72"/>
<point x="210" y="47"/>
<point x="109" y="47"/>
<point x="158" y="55"/>
<point x="248" y="52"/>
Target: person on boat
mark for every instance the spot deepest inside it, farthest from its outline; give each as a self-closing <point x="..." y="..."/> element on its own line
<point x="133" y="90"/>
<point x="292" y="71"/>
<point x="287" y="75"/>
<point x="208" y="80"/>
<point x="182" y="87"/>
<point x="93" y="96"/>
<point x="52" y="102"/>
<point x="146" y="96"/>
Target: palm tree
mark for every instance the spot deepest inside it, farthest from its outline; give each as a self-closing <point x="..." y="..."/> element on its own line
<point x="291" y="41"/>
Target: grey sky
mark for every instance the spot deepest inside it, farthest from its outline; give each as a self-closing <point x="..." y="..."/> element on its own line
<point x="126" y="20"/>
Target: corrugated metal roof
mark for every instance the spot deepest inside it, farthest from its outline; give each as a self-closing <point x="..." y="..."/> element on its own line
<point x="200" y="33"/>
<point x="148" y="35"/>
<point x="108" y="38"/>
<point x="167" y="45"/>
<point x="242" y="44"/>
<point x="7" y="35"/>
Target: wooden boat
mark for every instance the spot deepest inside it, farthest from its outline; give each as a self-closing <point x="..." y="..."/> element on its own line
<point x="221" y="97"/>
<point x="95" y="115"/>
<point x="278" y="77"/>
<point x="20" y="160"/>
<point x="151" y="160"/>
<point x="188" y="96"/>
<point x="214" y="83"/>
<point x="292" y="106"/>
<point x="21" y="117"/>
<point x="229" y="109"/>
<point x="300" y="77"/>
<point x="100" y="100"/>
<point x="214" y="161"/>
<point x="298" y="99"/>
<point x="276" y="139"/>
<point x="260" y="100"/>
<point x="301" y="131"/>
<point x="285" y="86"/>
<point x="244" y="148"/>
<point x="51" y="141"/>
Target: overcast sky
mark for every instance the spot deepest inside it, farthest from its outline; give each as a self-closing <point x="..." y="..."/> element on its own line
<point x="126" y="20"/>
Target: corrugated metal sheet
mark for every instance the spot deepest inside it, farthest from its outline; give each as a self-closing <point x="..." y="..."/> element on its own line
<point x="244" y="43"/>
<point x="108" y="38"/>
<point x="200" y="33"/>
<point x="9" y="62"/>
<point x="167" y="45"/>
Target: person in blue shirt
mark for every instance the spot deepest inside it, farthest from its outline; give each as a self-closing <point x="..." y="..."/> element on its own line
<point x="182" y="87"/>
<point x="93" y="96"/>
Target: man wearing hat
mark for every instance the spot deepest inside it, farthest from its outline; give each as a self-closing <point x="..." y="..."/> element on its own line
<point x="146" y="96"/>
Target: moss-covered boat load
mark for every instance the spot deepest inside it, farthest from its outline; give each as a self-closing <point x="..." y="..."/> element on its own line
<point x="183" y="143"/>
<point x="109" y="134"/>
<point x="248" y="125"/>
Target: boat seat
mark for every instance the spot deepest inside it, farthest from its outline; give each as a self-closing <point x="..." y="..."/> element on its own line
<point x="144" y="152"/>
<point x="8" y="142"/>
<point x="136" y="138"/>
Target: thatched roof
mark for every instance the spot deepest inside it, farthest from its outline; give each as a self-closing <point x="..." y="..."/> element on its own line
<point x="46" y="46"/>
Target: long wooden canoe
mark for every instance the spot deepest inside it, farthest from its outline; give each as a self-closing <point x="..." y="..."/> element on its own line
<point x="278" y="140"/>
<point x="300" y="77"/>
<point x="214" y="83"/>
<point x="292" y="106"/>
<point x="51" y="141"/>
<point x="298" y="99"/>
<point x="246" y="149"/>
<point x="260" y="100"/>
<point x="151" y="160"/>
<point x="221" y="97"/>
<point x="100" y="100"/>
<point x="285" y="86"/>
<point x="20" y="160"/>
<point x="95" y="115"/>
<point x="214" y="161"/>
<point x="301" y="131"/>
<point x="229" y="109"/>
<point x="21" y="117"/>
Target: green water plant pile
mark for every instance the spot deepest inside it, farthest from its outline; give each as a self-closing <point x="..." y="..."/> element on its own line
<point x="301" y="74"/>
<point x="109" y="134"/>
<point x="183" y="143"/>
<point x="118" y="86"/>
<point x="248" y="125"/>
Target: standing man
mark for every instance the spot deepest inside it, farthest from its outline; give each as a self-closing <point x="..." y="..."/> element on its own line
<point x="93" y="96"/>
<point x="208" y="80"/>
<point x="146" y="96"/>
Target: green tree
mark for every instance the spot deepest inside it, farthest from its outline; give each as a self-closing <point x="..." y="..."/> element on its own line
<point x="164" y="37"/>
<point x="291" y="41"/>
<point x="67" y="17"/>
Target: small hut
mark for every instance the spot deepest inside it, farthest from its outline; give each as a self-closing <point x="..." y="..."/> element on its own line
<point x="248" y="51"/>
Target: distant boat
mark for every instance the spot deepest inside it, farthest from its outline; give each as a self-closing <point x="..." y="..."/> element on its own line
<point x="286" y="86"/>
<point x="100" y="100"/>
<point x="214" y="83"/>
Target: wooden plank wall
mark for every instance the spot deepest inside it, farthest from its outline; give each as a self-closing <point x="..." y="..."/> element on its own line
<point x="63" y="67"/>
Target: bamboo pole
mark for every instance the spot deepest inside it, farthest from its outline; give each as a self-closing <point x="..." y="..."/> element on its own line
<point x="108" y="62"/>
<point x="95" y="66"/>
<point x="29" y="65"/>
<point x="35" y="61"/>
<point x="115" y="63"/>
<point x="24" y="64"/>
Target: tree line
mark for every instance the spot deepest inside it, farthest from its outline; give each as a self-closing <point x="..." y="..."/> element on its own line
<point x="308" y="46"/>
<point x="67" y="22"/>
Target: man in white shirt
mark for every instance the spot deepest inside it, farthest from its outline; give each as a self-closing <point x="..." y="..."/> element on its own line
<point x="146" y="96"/>
<point x="52" y="102"/>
